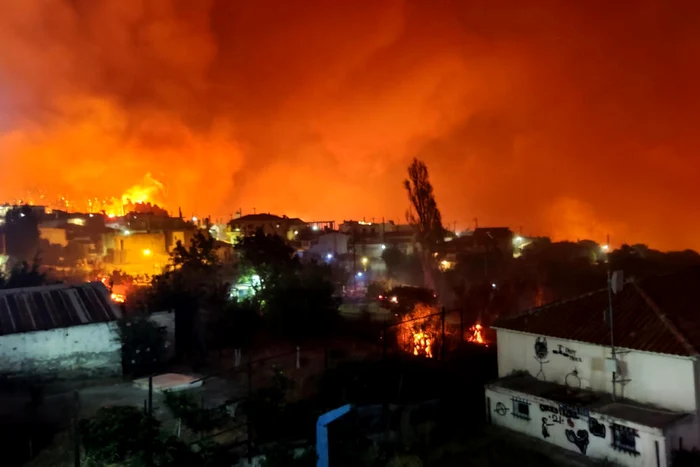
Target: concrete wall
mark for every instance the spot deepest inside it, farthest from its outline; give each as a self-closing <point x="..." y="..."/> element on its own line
<point x="662" y="380"/>
<point x="80" y="351"/>
<point x="54" y="235"/>
<point x="553" y="428"/>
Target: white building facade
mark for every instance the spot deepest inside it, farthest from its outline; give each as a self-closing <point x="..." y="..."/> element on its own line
<point x="556" y="374"/>
<point x="59" y="332"/>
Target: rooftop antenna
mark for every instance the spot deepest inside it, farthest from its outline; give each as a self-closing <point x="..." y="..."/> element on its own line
<point x="615" y="285"/>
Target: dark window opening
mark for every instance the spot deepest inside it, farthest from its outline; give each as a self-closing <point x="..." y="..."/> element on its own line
<point x="521" y="408"/>
<point x="625" y="439"/>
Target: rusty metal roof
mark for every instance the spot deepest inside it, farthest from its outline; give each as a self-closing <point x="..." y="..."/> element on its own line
<point x="55" y="306"/>
<point x="659" y="314"/>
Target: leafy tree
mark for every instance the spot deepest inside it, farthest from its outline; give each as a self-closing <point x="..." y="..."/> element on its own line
<point x="191" y="281"/>
<point x="119" y="277"/>
<point x="24" y="275"/>
<point x="235" y="324"/>
<point x="295" y="300"/>
<point x="393" y="259"/>
<point x="301" y="304"/>
<point x="21" y="231"/>
<point x="426" y="220"/>
<point x="268" y="256"/>
<point x="143" y="344"/>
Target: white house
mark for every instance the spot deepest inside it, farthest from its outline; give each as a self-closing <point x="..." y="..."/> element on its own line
<point x="559" y="382"/>
<point x="59" y="331"/>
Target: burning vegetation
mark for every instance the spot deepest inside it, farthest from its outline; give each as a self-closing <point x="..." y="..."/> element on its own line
<point x="419" y="333"/>
<point x="143" y="198"/>
<point x="476" y="334"/>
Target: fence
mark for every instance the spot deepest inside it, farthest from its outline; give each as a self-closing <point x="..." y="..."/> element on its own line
<point x="236" y="393"/>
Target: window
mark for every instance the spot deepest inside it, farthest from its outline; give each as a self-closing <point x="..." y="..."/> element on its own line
<point x="625" y="439"/>
<point x="521" y="408"/>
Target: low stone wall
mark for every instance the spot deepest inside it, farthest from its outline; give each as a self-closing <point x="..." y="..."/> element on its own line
<point x="85" y="351"/>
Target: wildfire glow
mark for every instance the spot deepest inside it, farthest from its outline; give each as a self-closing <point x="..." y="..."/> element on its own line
<point x="476" y="334"/>
<point x="150" y="191"/>
<point x="422" y="344"/>
<point x="118" y="298"/>
<point x="419" y="336"/>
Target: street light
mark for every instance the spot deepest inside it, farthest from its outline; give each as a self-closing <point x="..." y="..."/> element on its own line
<point x="146" y="252"/>
<point x="365" y="261"/>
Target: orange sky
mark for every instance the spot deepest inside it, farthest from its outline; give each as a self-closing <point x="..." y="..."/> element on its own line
<point x="570" y="119"/>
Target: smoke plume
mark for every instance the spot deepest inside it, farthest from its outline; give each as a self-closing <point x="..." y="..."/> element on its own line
<point x="571" y="119"/>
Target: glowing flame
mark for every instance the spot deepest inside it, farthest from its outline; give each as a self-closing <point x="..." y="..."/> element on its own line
<point x="118" y="298"/>
<point x="419" y="336"/>
<point x="422" y="344"/>
<point x="149" y="191"/>
<point x="476" y="334"/>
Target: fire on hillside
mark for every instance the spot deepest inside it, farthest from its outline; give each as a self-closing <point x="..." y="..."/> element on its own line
<point x="145" y="197"/>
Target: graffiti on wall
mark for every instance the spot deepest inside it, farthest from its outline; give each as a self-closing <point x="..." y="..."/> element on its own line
<point x="541" y="353"/>
<point x="596" y="428"/>
<point x="553" y="413"/>
<point x="545" y="424"/>
<point x="566" y="352"/>
<point x="580" y="439"/>
<point x="501" y="409"/>
<point x="573" y="412"/>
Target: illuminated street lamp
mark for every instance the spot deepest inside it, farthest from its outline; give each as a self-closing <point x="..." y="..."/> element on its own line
<point x="605" y="247"/>
<point x="146" y="252"/>
<point x="365" y="260"/>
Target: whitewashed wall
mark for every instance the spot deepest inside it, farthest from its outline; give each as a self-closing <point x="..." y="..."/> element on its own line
<point x="86" y="350"/>
<point x="552" y="428"/>
<point x="663" y="380"/>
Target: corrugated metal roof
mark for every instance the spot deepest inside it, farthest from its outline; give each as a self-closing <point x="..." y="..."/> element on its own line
<point x="659" y="314"/>
<point x="55" y="306"/>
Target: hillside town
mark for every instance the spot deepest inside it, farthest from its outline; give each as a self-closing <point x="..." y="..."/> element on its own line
<point x="148" y="308"/>
<point x="387" y="233"/>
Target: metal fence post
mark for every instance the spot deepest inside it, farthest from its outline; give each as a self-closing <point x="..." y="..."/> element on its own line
<point x="384" y="338"/>
<point x="248" y="420"/>
<point x="76" y="430"/>
<point x="443" y="334"/>
<point x="150" y="415"/>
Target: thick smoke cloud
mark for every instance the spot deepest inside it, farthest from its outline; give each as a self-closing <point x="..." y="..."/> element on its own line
<point x="572" y="119"/>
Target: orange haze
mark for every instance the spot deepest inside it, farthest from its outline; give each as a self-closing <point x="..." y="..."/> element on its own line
<point x="568" y="118"/>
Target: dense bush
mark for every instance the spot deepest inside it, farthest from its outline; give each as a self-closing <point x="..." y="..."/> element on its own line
<point x="183" y="406"/>
<point x="118" y="434"/>
<point x="127" y="436"/>
<point x="143" y="345"/>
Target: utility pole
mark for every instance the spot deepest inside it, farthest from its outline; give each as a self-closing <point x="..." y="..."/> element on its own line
<point x="612" y="338"/>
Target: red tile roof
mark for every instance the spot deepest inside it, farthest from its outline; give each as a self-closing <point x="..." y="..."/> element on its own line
<point x="659" y="314"/>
